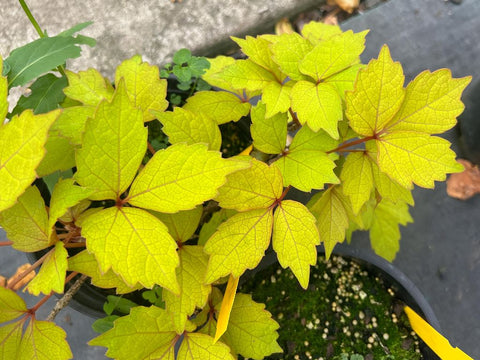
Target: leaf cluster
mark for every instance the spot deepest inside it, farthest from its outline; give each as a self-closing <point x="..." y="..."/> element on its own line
<point x="180" y="219"/>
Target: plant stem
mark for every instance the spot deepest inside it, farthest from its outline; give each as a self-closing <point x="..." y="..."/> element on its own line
<point x="150" y="148"/>
<point x="6" y="243"/>
<point x="75" y="245"/>
<point x="60" y="304"/>
<point x="45" y="298"/>
<point x="32" y="19"/>
<point x="29" y="270"/>
<point x="352" y="143"/>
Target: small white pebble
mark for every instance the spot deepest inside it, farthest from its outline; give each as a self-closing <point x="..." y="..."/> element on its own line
<point x="362" y="294"/>
<point x="371" y="339"/>
<point x="386" y="336"/>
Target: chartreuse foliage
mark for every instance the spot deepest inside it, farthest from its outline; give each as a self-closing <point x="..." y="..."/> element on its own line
<point x="181" y="220"/>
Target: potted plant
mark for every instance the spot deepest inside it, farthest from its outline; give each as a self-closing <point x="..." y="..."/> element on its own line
<point x="183" y="220"/>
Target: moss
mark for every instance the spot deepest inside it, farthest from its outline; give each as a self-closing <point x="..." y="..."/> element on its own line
<point x="345" y="311"/>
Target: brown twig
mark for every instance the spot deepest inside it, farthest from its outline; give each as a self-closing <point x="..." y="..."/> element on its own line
<point x="6" y="243"/>
<point x="60" y="304"/>
<point x="29" y="270"/>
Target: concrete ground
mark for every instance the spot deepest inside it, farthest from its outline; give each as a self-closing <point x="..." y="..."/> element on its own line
<point x="440" y="252"/>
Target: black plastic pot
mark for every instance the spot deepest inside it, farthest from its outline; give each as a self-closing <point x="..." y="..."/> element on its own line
<point x="404" y="288"/>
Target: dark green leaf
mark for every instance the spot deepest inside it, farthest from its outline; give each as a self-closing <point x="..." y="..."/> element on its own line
<point x="6" y="69"/>
<point x="184" y="86"/>
<point x="198" y="65"/>
<point x="38" y="57"/>
<point x="47" y="93"/>
<point x="202" y="85"/>
<point x="86" y="40"/>
<point x="182" y="56"/>
<point x="175" y="99"/>
<point x="116" y="303"/>
<point x="164" y="73"/>
<point x="76" y="28"/>
<point x="102" y="325"/>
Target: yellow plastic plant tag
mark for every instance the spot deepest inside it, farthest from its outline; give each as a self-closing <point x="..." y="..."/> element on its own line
<point x="226" y="307"/>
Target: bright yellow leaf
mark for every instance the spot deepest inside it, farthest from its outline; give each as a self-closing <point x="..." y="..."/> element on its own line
<point x="182" y="225"/>
<point x="316" y="31"/>
<point x="269" y="134"/>
<point x="3" y="94"/>
<point x="288" y="50"/>
<point x="357" y="179"/>
<point x="89" y="87"/>
<point x="12" y="306"/>
<point x="197" y="346"/>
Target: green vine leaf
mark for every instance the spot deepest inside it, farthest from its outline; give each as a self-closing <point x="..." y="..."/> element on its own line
<point x="211" y="226"/>
<point x="239" y="244"/>
<point x="306" y="165"/>
<point x="12" y="306"/>
<point x="65" y="195"/>
<point x="245" y="74"/>
<point x="22" y="143"/>
<point x="147" y="333"/>
<point x="181" y="177"/>
<point x="89" y="87"/>
<point x="317" y="32"/>
<point x="144" y="87"/>
<point x="317" y="105"/>
<point x="182" y="225"/>
<point x="401" y="125"/>
<point x="184" y="126"/>
<point x="255" y="188"/>
<point x="26" y="223"/>
<point x="135" y="244"/>
<point x="59" y="156"/>
<point x="10" y="339"/>
<point x="333" y="55"/>
<point x="251" y="330"/>
<point x="384" y="231"/>
<point x="220" y="106"/>
<point x="200" y="346"/>
<point x="51" y="276"/>
<point x="193" y="292"/>
<point x="214" y="75"/>
<point x="288" y="50"/>
<point x="114" y="145"/>
<point x="295" y="237"/>
<point x="330" y="210"/>
<point x="269" y="134"/>
<point x="276" y="97"/>
<point x="70" y="125"/>
<point x="46" y="94"/>
<point x="85" y="263"/>
<point x="40" y="56"/>
<point x="43" y="340"/>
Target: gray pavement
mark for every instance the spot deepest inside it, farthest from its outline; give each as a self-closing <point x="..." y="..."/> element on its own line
<point x="440" y="252"/>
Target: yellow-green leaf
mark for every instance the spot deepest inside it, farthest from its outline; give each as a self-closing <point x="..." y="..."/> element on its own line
<point x="357" y="179"/>
<point x="239" y="244"/>
<point x="71" y="123"/>
<point x="316" y="31"/>
<point x="288" y="50"/>
<point x="89" y="87"/>
<point x="43" y="340"/>
<point x="332" y="218"/>
<point x="181" y="177"/>
<point x="276" y="97"/>
<point x="85" y="263"/>
<point x="252" y="332"/>
<point x="226" y="307"/>
<point x="3" y="93"/>
<point x="333" y="55"/>
<point x="220" y="106"/>
<point x="26" y="223"/>
<point x="51" y="276"/>
<point x="114" y="145"/>
<point x="144" y="87"/>
<point x="432" y="103"/>
<point x="254" y="188"/>
<point x="10" y="338"/>
<point x="22" y="143"/>
<point x="12" y="306"/>
<point x="64" y="196"/>
<point x="214" y="74"/>
<point x="269" y="134"/>
<point x="182" y="225"/>
<point x="306" y="165"/>
<point x="184" y="126"/>
<point x="384" y="231"/>
<point x="258" y="50"/>
<point x="317" y="105"/>
<point x="378" y="94"/>
<point x="245" y="74"/>
<point x="60" y="155"/>
<point x="209" y="228"/>
<point x="408" y="157"/>
<point x="345" y="80"/>
<point x="193" y="292"/>
<point x="295" y="237"/>
<point x="135" y="244"/>
<point x="147" y="333"/>
<point x="197" y="346"/>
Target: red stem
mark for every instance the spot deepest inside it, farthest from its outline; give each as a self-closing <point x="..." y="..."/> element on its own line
<point x="76" y="245"/>
<point x="29" y="270"/>
<point x="150" y="148"/>
<point x="6" y="243"/>
<point x="352" y="143"/>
